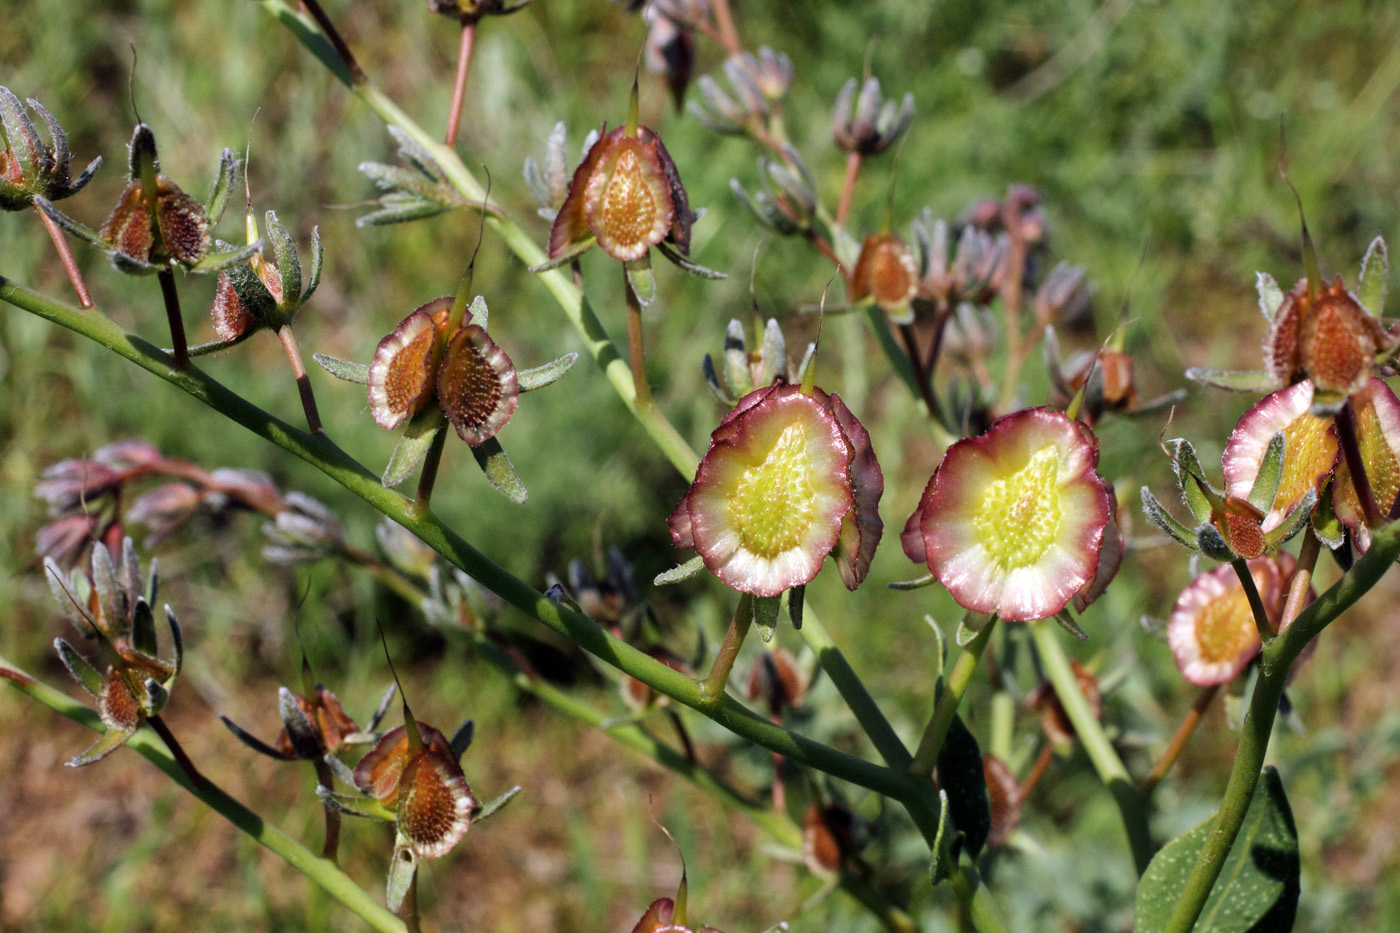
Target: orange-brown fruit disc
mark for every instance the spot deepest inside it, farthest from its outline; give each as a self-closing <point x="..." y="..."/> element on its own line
<point x="435" y="803"/>
<point x="1340" y="340"/>
<point x="404" y="368"/>
<point x="117" y="704"/>
<point x="231" y="316"/>
<point x="128" y="228"/>
<point x="477" y="385"/>
<point x="184" y="230"/>
<point x="1004" y="795"/>
<point x="628" y="200"/>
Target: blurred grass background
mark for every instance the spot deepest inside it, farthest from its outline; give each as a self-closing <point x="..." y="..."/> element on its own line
<point x="1152" y="128"/>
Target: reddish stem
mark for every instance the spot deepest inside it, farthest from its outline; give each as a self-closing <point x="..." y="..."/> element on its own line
<point x="181" y="346"/>
<point x="70" y="265"/>
<point x="1351" y="450"/>
<point x="921" y="375"/>
<point x="728" y="35"/>
<point x="1183" y="734"/>
<point x="308" y="400"/>
<point x="1042" y="761"/>
<point x="319" y="15"/>
<point x="176" y="750"/>
<point x="459" y="87"/>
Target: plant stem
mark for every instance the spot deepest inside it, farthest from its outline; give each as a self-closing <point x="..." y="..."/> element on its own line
<point x="459" y="86"/>
<point x="427" y="476"/>
<point x="947" y="707"/>
<point x="335" y="882"/>
<point x="347" y="58"/>
<point x="640" y="389"/>
<point x="975" y="898"/>
<point x="848" y="187"/>
<point x="1275" y="662"/>
<point x="181" y="347"/>
<point x="308" y="400"/>
<point x="177" y="750"/>
<point x="728" y="35"/>
<point x="1256" y="603"/>
<point x="331" y="848"/>
<point x="713" y="685"/>
<point x="1183" y="734"/>
<point x="1109" y="766"/>
<point x="921" y="375"/>
<point x="65" y="255"/>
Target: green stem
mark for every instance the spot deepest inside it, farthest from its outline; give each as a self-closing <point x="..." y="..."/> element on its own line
<point x="323" y="872"/>
<point x="947" y="707"/>
<point x="1275" y="662"/>
<point x="713" y="685"/>
<point x="319" y="451"/>
<point x="1256" y="602"/>
<point x="975" y="898"/>
<point x="635" y="348"/>
<point x="1095" y="741"/>
<point x="427" y="476"/>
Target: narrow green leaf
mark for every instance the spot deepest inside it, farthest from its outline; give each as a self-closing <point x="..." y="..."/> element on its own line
<point x="313" y="279"/>
<point x="685" y="264"/>
<point x="1165" y="521"/>
<point x="217" y="201"/>
<point x="961" y="777"/>
<point x="84" y="673"/>
<point x="1066" y="622"/>
<point x="1265" y="488"/>
<point x="400" y="210"/>
<point x="288" y="262"/>
<point x="1236" y="380"/>
<point x="1296" y="521"/>
<point x="111" y="740"/>
<point x="1375" y="270"/>
<point x="1257" y="891"/>
<point x="494" y="805"/>
<point x="684" y="572"/>
<point x="497" y="467"/>
<point x="765" y="615"/>
<point x="341" y="369"/>
<point x="1325" y="526"/>
<point x="941" y="856"/>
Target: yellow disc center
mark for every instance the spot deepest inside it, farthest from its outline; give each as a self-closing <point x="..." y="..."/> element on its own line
<point x="772" y="502"/>
<point x="1020" y="515"/>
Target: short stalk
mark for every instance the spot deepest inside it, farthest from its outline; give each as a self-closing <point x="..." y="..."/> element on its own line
<point x="728" y="35"/>
<point x="65" y="255"/>
<point x="331" y="848"/>
<point x="1095" y="741"/>
<point x="181" y="347"/>
<point x="408" y="910"/>
<point x="848" y="187"/>
<point x="947" y="707"/>
<point x="712" y="687"/>
<point x="921" y="375"/>
<point x="308" y="400"/>
<point x="1301" y="581"/>
<point x="1183" y="734"/>
<point x="459" y="86"/>
<point x="1256" y="603"/>
<point x="640" y="388"/>
<point x="1038" y="769"/>
<point x="428" y="476"/>
<point x="183" y="760"/>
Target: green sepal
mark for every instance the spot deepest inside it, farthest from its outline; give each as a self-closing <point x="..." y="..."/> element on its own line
<point x="177" y="641"/>
<point x="1162" y="519"/>
<point x="353" y="805"/>
<point x="157" y="696"/>
<point x="104" y="581"/>
<point x="961" y="777"/>
<point x="253" y="742"/>
<point x="23" y="137"/>
<point x="945" y="844"/>
<point x="402" y="869"/>
<point x="462" y="739"/>
<point x="765" y="615"/>
<point x="400" y="209"/>
<point x="252" y="291"/>
<point x="217" y="201"/>
<point x="686" y="265"/>
<point x="1235" y="380"/>
<point x="916" y="584"/>
<point x="1375" y="270"/>
<point x="684" y="572"/>
<point x="549" y="373"/>
<point x="72" y="605"/>
<point x="284" y="250"/>
<point x="480" y="314"/>
<point x="1066" y="622"/>
<point x="796" y="596"/>
<point x="970" y="626"/>
<point x="1296" y="521"/>
<point x="566" y="257"/>
<point x="84" y="673"/>
<point x="494" y="805"/>
<point x="301" y="731"/>
<point x="340" y="770"/>
<point x="1270" y="295"/>
<point x="1200" y="498"/>
<point x="1325" y="526"/>
<point x="219" y="260"/>
<point x="1212" y="544"/>
<point x="318" y="255"/>
<point x="1259" y="885"/>
<point x="143" y="627"/>
<point x="413" y="445"/>
<point x="110" y="741"/>
<point x="342" y="369"/>
<point x="707" y="368"/>
<point x="492" y="459"/>
<point x="642" y="280"/>
<point x="1265" y="488"/>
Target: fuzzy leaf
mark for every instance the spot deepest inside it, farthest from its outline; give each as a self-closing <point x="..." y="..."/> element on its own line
<point x="498" y="469"/>
<point x="313" y="278"/>
<point x="684" y="572"/>
<point x="398" y="209"/>
<point x="217" y="201"/>
<point x="765" y="615"/>
<point x="1066" y="622"/>
<point x="495" y="804"/>
<point x="1325" y="526"/>
<point x="288" y="263"/>
<point x="1257" y="891"/>
<point x="685" y="264"/>
<point x="111" y="740"/>
<point x="1297" y="520"/>
<point x="1375" y="270"/>
<point x="1165" y="521"/>
<point x="1212" y="544"/>
<point x="83" y="672"/>
<point x="143" y="627"/>
<point x="413" y="445"/>
<point x="1270" y="295"/>
<point x="341" y="369"/>
<point x="541" y="376"/>
<point x="253" y="742"/>
<point x="1244" y="380"/>
<point x="1265" y="488"/>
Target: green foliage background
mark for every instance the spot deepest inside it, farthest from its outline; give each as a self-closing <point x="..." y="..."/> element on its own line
<point x="1153" y="129"/>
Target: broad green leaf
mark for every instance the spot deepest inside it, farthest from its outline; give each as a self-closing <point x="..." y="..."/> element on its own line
<point x="961" y="777"/>
<point x="1257" y="891"/>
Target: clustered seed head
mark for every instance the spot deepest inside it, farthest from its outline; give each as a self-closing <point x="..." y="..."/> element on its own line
<point x="1327" y="337"/>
